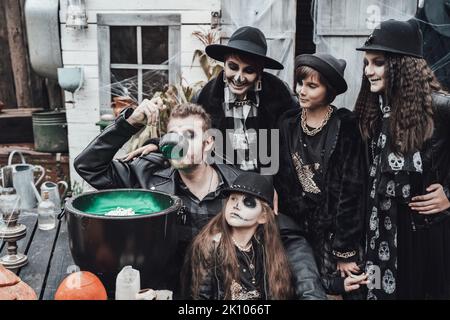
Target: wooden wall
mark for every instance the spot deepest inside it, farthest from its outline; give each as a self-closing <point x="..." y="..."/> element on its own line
<point x="7" y="92"/>
<point x="20" y="86"/>
<point x="79" y="48"/>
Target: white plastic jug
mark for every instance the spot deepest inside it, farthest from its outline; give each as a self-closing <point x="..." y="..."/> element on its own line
<point x="128" y="284"/>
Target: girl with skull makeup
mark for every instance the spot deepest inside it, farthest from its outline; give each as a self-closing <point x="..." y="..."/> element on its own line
<point x="404" y="118"/>
<point x="238" y="255"/>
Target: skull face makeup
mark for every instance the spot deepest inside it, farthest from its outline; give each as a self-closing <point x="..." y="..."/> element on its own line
<point x="243" y="211"/>
<point x="240" y="75"/>
<point x="417" y="160"/>
<point x="396" y="162"/>
<point x="383" y="251"/>
<point x="388" y="282"/>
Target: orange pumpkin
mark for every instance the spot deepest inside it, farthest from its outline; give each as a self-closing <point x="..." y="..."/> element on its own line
<point x="82" y="285"/>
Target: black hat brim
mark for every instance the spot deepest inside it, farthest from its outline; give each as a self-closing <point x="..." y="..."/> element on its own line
<point x="387" y="49"/>
<point x="327" y="70"/>
<point x="219" y="51"/>
<point x="232" y="189"/>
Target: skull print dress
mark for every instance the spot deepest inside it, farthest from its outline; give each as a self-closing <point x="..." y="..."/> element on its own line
<point x="391" y="183"/>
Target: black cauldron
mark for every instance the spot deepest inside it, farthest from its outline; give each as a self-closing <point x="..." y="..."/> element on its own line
<point x="105" y="244"/>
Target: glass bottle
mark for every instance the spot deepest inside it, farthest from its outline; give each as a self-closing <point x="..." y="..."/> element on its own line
<point x="173" y="146"/>
<point x="46" y="213"/>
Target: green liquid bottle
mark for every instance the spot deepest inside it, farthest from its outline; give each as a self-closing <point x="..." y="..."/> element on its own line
<point x="173" y="146"/>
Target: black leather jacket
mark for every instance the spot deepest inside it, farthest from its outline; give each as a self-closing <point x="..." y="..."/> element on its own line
<point x="97" y="166"/>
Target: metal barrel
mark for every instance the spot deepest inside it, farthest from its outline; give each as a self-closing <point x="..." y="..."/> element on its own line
<point x="50" y="131"/>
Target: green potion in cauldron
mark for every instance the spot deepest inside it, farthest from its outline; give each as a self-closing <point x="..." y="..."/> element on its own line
<point x="145" y="239"/>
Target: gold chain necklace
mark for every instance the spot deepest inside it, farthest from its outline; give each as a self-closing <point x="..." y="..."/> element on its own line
<point x="319" y="128"/>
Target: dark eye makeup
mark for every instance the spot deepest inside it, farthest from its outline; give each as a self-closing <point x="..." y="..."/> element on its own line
<point x="249" y="70"/>
<point x="377" y="62"/>
<point x="249" y="202"/>
<point x="233" y="66"/>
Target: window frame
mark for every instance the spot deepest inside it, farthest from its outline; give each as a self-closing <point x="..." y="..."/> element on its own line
<point x="138" y="20"/>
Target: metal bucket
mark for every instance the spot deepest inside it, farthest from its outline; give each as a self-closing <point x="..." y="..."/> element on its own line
<point x="50" y="131"/>
<point x="105" y="244"/>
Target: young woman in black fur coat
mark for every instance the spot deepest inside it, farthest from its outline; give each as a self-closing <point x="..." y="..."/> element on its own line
<point x="320" y="181"/>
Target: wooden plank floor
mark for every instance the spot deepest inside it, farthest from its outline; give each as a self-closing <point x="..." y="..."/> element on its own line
<point x="61" y="264"/>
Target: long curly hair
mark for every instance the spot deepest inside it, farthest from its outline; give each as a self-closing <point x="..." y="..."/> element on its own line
<point x="200" y="258"/>
<point x="409" y="84"/>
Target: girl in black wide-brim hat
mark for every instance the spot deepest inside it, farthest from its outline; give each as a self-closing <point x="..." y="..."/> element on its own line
<point x="239" y="255"/>
<point x="244" y="97"/>
<point x="320" y="182"/>
<point x="404" y="119"/>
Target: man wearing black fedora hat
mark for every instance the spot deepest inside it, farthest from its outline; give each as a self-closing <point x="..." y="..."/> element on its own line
<point x="404" y="118"/>
<point x="320" y="181"/>
<point x="243" y="100"/>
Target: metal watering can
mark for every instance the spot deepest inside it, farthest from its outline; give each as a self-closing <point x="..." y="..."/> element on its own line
<point x="24" y="181"/>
